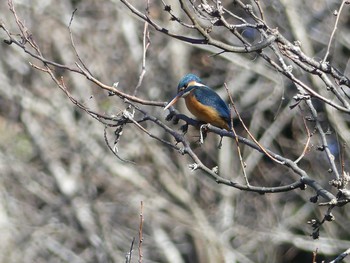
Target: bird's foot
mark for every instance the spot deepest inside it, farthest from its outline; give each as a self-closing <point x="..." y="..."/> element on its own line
<point x="184" y="128"/>
<point x="172" y="116"/>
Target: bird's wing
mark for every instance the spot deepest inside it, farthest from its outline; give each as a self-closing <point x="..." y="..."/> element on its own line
<point x="210" y="98"/>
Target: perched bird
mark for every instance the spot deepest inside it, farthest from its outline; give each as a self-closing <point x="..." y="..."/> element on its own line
<point x="202" y="102"/>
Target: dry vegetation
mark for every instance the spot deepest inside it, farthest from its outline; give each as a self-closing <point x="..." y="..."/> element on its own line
<point x="66" y="197"/>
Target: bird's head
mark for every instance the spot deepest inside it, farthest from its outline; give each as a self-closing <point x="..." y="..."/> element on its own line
<point x="186" y="84"/>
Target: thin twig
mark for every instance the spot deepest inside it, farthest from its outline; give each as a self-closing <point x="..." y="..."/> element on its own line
<point x="257" y="2"/>
<point x="73" y="43"/>
<point x="114" y="150"/>
<point x="247" y="130"/>
<point x="314" y="256"/>
<point x="243" y="165"/>
<point x="341" y="256"/>
<point x="129" y="254"/>
<point x="307" y="142"/>
<point x="328" y="152"/>
<point x="141" y="233"/>
<point x="145" y="44"/>
<point x="334" y="29"/>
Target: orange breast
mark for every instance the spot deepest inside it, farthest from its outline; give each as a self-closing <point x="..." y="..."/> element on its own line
<point x="204" y="113"/>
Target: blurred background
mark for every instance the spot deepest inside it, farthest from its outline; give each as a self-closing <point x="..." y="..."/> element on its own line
<point x="64" y="197"/>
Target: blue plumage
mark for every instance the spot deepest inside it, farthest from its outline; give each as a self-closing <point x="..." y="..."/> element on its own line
<point x="202" y="102"/>
<point x="187" y="79"/>
<point x="207" y="96"/>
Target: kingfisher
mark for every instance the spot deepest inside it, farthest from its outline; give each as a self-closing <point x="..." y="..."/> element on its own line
<point x="202" y="102"/>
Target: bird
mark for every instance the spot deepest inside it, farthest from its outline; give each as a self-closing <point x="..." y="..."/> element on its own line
<point x="203" y="102"/>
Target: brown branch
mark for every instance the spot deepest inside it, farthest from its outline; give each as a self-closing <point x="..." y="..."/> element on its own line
<point x="72" y="41"/>
<point x="262" y="148"/>
<point x="207" y="39"/>
<point x="226" y="47"/>
<point x="307" y="142"/>
<point x="81" y="70"/>
<point x="287" y="71"/>
<point x="323" y="66"/>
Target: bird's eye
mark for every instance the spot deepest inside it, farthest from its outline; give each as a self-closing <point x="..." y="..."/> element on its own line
<point x="182" y="88"/>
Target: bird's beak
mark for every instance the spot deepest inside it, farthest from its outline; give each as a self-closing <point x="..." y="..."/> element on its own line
<point x="174" y="100"/>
